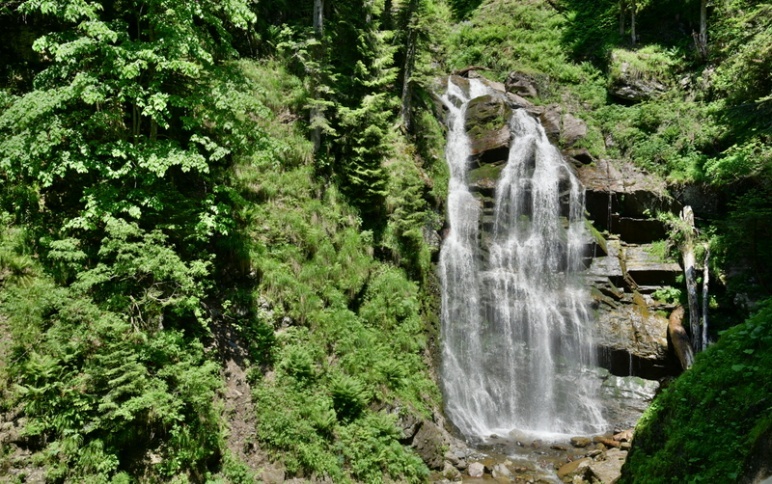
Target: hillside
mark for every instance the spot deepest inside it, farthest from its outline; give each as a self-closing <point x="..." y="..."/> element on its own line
<point x="220" y="222"/>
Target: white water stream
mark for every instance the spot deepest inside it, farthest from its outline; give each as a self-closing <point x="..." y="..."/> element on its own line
<point x="517" y="353"/>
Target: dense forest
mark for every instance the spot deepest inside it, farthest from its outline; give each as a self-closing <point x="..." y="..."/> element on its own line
<point x="219" y="224"/>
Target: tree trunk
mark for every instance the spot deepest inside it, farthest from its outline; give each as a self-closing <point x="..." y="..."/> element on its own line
<point x="703" y="37"/>
<point x="679" y="338"/>
<point x="622" y="13"/>
<point x="315" y="114"/>
<point x="632" y="25"/>
<point x="407" y="71"/>
<point x="687" y="252"/>
<point x="705" y="281"/>
<point x="319" y="16"/>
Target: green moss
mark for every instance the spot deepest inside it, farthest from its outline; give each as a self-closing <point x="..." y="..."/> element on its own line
<point x="485" y="172"/>
<point x="703" y="427"/>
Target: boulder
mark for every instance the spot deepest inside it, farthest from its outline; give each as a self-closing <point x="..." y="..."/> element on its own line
<point x="580" y="155"/>
<point x="428" y="443"/>
<point x="476" y="469"/>
<point x="624" y="399"/>
<point x="501" y="472"/>
<point x="450" y="473"/>
<point x="581" y="442"/>
<point x="578" y="468"/>
<point x="573" y="130"/>
<point x="609" y="470"/>
<point x="487" y="124"/>
<point x="522" y="84"/>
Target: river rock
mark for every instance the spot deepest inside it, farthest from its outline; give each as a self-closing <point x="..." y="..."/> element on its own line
<point x="609" y="470"/>
<point x="476" y="469"/>
<point x="581" y="441"/>
<point x="501" y="472"/>
<point x="578" y="468"/>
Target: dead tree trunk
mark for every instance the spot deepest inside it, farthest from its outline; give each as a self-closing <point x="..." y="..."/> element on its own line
<point x="679" y="338"/>
<point x="705" y="282"/>
<point x="687" y="252"/>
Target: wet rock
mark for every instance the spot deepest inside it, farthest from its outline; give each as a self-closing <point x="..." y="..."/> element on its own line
<point x="609" y="470"/>
<point x="550" y="121"/>
<point x="487" y="119"/>
<point x="646" y="268"/>
<point x="581" y="442"/>
<point x="625" y="398"/>
<point x="578" y="468"/>
<point x="428" y="444"/>
<point x="476" y="469"/>
<point x="495" y="85"/>
<point x="622" y="189"/>
<point x="501" y="473"/>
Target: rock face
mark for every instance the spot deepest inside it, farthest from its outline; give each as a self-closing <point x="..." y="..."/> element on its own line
<point x="487" y="120"/>
<point x="609" y="470"/>
<point x="628" y="267"/>
<point x="625" y="267"/>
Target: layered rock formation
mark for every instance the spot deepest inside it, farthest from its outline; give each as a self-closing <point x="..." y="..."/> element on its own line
<point x="625" y="262"/>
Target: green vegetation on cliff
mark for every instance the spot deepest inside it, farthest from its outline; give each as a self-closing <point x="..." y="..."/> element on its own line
<point x="181" y="182"/>
<point x="710" y="425"/>
<point x="184" y="185"/>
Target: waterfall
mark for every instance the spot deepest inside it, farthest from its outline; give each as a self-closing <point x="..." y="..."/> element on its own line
<point x="517" y="348"/>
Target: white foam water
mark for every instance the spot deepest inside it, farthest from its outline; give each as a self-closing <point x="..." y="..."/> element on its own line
<point x="517" y="342"/>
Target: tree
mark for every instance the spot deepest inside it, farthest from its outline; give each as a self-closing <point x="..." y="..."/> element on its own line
<point x="126" y="123"/>
<point x="121" y="151"/>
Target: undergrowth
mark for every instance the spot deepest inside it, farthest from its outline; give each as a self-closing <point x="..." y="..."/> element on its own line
<point x="704" y="427"/>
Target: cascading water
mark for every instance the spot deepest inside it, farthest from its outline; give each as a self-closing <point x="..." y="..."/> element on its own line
<point x="517" y="340"/>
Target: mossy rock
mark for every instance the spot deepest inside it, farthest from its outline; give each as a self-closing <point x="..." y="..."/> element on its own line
<point x="487" y="124"/>
<point x="485" y="173"/>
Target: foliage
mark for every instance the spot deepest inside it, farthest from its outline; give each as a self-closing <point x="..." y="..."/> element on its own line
<point x="347" y="314"/>
<point x="100" y="393"/>
<point x="668" y="295"/>
<point x="703" y="427"/>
